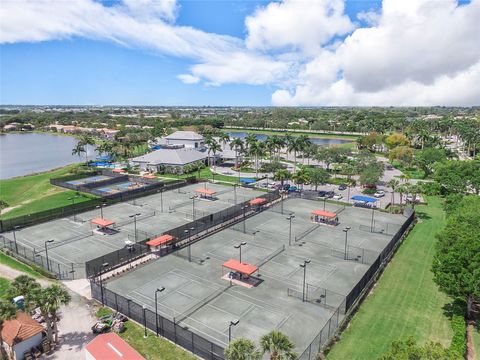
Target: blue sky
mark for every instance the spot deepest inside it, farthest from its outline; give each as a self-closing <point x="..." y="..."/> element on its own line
<point x="77" y="67"/>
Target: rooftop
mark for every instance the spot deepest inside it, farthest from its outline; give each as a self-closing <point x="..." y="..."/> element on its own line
<point x="171" y="157"/>
<point x="111" y="346"/>
<point x="184" y="135"/>
<point x="20" y="329"/>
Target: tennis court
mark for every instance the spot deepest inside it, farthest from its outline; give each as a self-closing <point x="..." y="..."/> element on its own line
<point x="198" y="293"/>
<point x="121" y="187"/>
<point x="77" y="241"/>
<point x="89" y="180"/>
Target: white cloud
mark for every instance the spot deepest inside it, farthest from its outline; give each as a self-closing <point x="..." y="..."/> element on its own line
<point x="302" y="24"/>
<point x="419" y="53"/>
<point x="411" y="52"/>
<point x="188" y="79"/>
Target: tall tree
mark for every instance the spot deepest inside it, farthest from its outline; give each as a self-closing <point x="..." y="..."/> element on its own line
<point x="214" y="148"/>
<point x="238" y="146"/>
<point x="25" y="286"/>
<point x="242" y="349"/>
<point x="301" y="177"/>
<point x="7" y="312"/>
<point x="456" y="263"/>
<point x="256" y="150"/>
<point x="282" y="175"/>
<point x="318" y="176"/>
<point x="393" y="184"/>
<point x="295" y="146"/>
<point x="278" y="345"/>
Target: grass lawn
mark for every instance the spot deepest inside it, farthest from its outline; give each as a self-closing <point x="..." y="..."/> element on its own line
<point x="151" y="347"/>
<point x="4" y="283"/>
<point x="476" y="339"/>
<point x="34" y="193"/>
<point x="412" y="172"/>
<point x="296" y="133"/>
<point x="405" y="301"/>
<point x="14" y="264"/>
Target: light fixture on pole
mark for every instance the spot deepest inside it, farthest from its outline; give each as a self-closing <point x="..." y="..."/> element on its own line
<point x="15" y="228"/>
<point x="239" y="247"/>
<point x="46" y="252"/>
<point x="104" y="265"/>
<point x="304" y="266"/>
<point x="232" y="323"/>
<point x="346" y="240"/>
<point x="290" y="218"/>
<point x="160" y="289"/>
<point x="134" y="216"/>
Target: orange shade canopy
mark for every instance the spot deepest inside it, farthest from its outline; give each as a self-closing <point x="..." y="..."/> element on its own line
<point x="102" y="222"/>
<point x="324" y="213"/>
<point x="258" y="201"/>
<point x="118" y="171"/>
<point x="164" y="239"/>
<point x="243" y="268"/>
<point x="206" y="191"/>
<point x="148" y="176"/>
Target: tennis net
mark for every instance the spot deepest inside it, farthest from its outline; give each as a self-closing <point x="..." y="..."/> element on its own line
<point x="131" y="220"/>
<point x="306" y="232"/>
<point x="271" y="256"/>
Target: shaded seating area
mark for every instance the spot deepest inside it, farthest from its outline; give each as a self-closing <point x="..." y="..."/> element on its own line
<point x="118" y="171"/>
<point x="258" y="203"/>
<point x="324" y="217"/>
<point x="207" y="194"/>
<point x="104" y="226"/>
<point x="157" y="243"/>
<point x="149" y="176"/>
<point x="364" y="201"/>
<point x="240" y="273"/>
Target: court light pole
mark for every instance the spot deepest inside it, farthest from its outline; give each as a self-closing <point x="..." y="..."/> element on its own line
<point x="346" y="240"/>
<point x="134" y="216"/>
<point x="144" y="322"/>
<point x="239" y="247"/>
<point x="254" y="233"/>
<point x="104" y="265"/>
<point x="232" y="323"/>
<point x="290" y="218"/>
<point x="304" y="266"/>
<point x="244" y="208"/>
<point x="193" y="206"/>
<point x="15" y="228"/>
<point x="73" y="205"/>
<point x="235" y="193"/>
<point x="373" y="214"/>
<point x="46" y="252"/>
<point x="160" y="289"/>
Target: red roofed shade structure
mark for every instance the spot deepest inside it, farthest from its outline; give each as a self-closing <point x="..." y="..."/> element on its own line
<point x="258" y="201"/>
<point x="148" y="176"/>
<point x="112" y="347"/>
<point x="119" y="171"/>
<point x="324" y="213"/>
<point x="161" y="240"/>
<point x="209" y="192"/>
<point x="243" y="268"/>
<point x="324" y="217"/>
<point x="103" y="223"/>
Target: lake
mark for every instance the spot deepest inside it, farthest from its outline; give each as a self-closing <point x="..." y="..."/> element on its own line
<point x="313" y="139"/>
<point x="23" y="154"/>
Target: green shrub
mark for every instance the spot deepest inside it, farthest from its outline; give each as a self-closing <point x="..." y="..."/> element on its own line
<point x="369" y="191"/>
<point x="103" y="311"/>
<point x="458" y="347"/>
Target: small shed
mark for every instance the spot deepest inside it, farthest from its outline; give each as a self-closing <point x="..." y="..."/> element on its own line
<point x="241" y="268"/>
<point x="102" y="223"/>
<point x="324" y="217"/>
<point x="204" y="193"/>
<point x="112" y="347"/>
<point x="21" y="334"/>
<point x="156" y="244"/>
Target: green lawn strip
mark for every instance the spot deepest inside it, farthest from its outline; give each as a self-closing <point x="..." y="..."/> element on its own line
<point x="412" y="172"/>
<point x="405" y="302"/>
<point x="46" y="203"/>
<point x="4" y="283"/>
<point x="14" y="264"/>
<point x="293" y="133"/>
<point x="17" y="190"/>
<point x="151" y="347"/>
<point x="205" y="173"/>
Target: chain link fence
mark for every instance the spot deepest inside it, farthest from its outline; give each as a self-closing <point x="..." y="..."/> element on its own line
<point x="167" y="328"/>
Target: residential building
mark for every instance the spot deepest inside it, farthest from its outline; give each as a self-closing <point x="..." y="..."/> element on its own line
<point x="21" y="334"/>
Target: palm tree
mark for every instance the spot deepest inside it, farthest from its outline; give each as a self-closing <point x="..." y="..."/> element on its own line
<point x="224" y="138"/>
<point x="287" y="139"/>
<point x="49" y="301"/>
<point x="79" y="149"/>
<point x="301" y="177"/>
<point x="278" y="345"/>
<point x="237" y="145"/>
<point x="242" y="349"/>
<point x="25" y="286"/>
<point x="7" y="312"/>
<point x="249" y="140"/>
<point x="282" y="175"/>
<point x="106" y="147"/>
<point x="296" y="145"/>
<point x="214" y="148"/>
<point x="256" y="150"/>
<point x="393" y="183"/>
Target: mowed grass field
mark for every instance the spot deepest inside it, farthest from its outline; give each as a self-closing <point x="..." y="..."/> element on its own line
<point x="405" y="302"/>
<point x="4" y="283"/>
<point x="32" y="193"/>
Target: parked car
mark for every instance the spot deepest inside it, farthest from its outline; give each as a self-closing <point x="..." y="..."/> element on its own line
<point x="379" y="194"/>
<point x="322" y="193"/>
<point x="329" y="194"/>
<point x="337" y="197"/>
<point x="409" y="198"/>
<point x="342" y="187"/>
